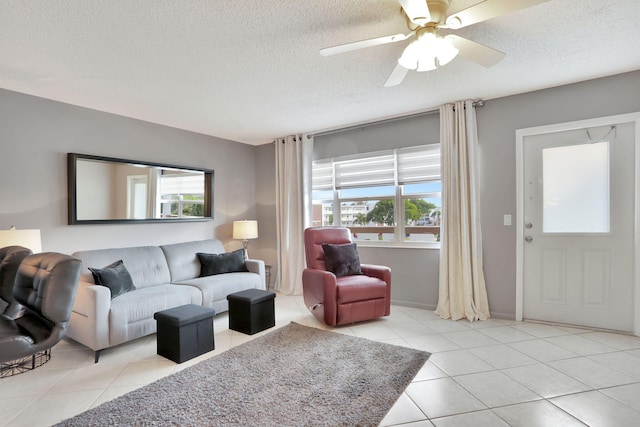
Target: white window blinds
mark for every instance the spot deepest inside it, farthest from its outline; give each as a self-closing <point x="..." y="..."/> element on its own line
<point x="181" y="184"/>
<point x="402" y="166"/>
<point x="366" y="172"/>
<point x="419" y="164"/>
<point x="322" y="175"/>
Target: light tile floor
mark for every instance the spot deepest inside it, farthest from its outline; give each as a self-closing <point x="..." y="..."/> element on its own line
<point x="491" y="373"/>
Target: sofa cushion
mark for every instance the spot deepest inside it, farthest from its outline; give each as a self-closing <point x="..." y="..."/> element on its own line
<point x="231" y="262"/>
<point x="182" y="260"/>
<point x="342" y="260"/>
<point x="131" y="315"/>
<point x="216" y="288"/>
<point x="146" y="264"/>
<point x="116" y="277"/>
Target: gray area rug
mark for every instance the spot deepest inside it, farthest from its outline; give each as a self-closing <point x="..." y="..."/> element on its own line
<point x="293" y="376"/>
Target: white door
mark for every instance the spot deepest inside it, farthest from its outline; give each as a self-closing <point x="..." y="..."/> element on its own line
<point x="578" y="226"/>
<point x="137" y="200"/>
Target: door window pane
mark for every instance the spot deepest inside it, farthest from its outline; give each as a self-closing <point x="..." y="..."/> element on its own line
<point x="576" y="188"/>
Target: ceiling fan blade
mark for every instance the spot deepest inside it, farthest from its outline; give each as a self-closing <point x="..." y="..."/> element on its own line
<point x="327" y="51"/>
<point x="476" y="52"/>
<point x="486" y="10"/>
<point x="417" y="11"/>
<point x="397" y="76"/>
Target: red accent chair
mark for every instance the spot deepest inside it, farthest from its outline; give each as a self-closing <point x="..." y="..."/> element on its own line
<point x="342" y="300"/>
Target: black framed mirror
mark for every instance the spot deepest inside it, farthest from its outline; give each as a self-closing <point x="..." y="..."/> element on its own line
<point x="110" y="190"/>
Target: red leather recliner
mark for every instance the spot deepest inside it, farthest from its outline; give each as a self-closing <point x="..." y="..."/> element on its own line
<point x="342" y="300"/>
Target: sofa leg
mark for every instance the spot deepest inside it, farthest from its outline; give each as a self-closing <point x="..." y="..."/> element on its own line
<point x="97" y="355"/>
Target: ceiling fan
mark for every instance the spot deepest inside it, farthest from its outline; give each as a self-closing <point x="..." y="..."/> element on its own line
<point x="430" y="50"/>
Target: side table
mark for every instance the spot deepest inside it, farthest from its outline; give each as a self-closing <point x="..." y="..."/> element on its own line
<point x="267" y="275"/>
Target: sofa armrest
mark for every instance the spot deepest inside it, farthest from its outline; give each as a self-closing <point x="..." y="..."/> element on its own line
<point x="89" y="324"/>
<point x="320" y="292"/>
<point x="257" y="266"/>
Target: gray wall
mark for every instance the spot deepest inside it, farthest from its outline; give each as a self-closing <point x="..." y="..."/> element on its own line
<point x="415" y="271"/>
<point x="497" y="124"/>
<point x="265" y="247"/>
<point x="416" y="130"/>
<point x="35" y="136"/>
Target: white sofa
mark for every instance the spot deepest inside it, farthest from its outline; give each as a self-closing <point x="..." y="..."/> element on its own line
<point x="164" y="276"/>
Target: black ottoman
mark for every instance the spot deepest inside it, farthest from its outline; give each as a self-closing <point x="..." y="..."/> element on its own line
<point x="185" y="332"/>
<point x="251" y="311"/>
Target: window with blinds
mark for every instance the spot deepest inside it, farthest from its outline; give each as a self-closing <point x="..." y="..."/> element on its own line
<point x="390" y="196"/>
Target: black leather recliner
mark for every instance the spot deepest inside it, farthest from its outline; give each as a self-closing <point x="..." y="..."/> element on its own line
<point x="10" y="259"/>
<point x="45" y="286"/>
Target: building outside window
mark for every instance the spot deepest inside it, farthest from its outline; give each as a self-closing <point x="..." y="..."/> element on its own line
<point x="390" y="197"/>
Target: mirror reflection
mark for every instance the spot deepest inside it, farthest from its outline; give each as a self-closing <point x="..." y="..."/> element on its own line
<point x="114" y="190"/>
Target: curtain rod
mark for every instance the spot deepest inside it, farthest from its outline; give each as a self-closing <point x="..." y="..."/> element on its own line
<point x="477" y="103"/>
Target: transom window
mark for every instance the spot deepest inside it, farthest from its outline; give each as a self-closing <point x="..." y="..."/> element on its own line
<point x="385" y="197"/>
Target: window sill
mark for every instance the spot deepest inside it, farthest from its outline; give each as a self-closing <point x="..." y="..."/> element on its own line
<point x="392" y="245"/>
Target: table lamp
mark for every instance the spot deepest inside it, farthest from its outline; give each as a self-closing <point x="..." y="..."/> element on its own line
<point x="27" y="238"/>
<point x="245" y="230"/>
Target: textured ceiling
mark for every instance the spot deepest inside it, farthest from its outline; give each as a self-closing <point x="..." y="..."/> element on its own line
<point x="249" y="70"/>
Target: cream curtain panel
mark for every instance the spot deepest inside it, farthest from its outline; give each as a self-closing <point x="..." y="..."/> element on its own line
<point x="462" y="288"/>
<point x="293" y="208"/>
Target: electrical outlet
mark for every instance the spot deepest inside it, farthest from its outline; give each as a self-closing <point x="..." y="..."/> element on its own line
<point x="507" y="220"/>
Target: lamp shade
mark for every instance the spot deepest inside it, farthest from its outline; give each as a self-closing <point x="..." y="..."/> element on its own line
<point x="244" y="230"/>
<point x="27" y="238"/>
<point x="427" y="53"/>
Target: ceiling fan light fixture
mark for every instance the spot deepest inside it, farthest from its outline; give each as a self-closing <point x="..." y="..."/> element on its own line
<point x="427" y="63"/>
<point x="424" y="44"/>
<point x="427" y="53"/>
<point x="445" y="51"/>
<point x="410" y="56"/>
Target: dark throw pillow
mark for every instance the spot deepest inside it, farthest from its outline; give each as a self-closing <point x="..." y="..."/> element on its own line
<point x="342" y="260"/>
<point x="116" y="277"/>
<point x="230" y="262"/>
